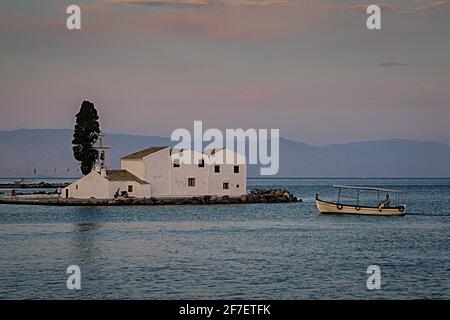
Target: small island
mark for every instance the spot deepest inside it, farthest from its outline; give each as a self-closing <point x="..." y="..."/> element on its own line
<point x="157" y="175"/>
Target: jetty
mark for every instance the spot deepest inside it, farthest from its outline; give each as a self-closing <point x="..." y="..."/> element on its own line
<point x="255" y="196"/>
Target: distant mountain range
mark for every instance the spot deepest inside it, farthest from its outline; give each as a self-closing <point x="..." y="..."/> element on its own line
<point x="48" y="153"/>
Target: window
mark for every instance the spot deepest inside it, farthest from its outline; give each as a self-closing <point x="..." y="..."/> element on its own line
<point x="130" y="188"/>
<point x="191" y="182"/>
<point x="176" y="163"/>
<point x="201" y="163"/>
<point x="236" y="169"/>
<point x="226" y="185"/>
<point x="237" y="186"/>
<point x="216" y="169"/>
<point x="76" y="186"/>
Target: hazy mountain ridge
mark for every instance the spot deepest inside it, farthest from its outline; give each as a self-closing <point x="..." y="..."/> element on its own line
<point x="50" y="152"/>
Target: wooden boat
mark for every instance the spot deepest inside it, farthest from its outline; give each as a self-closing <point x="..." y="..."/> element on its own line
<point x="381" y="209"/>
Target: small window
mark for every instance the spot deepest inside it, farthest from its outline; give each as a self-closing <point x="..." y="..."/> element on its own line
<point x="176" y="163"/>
<point x="236" y="169"/>
<point x="201" y="163"/>
<point x="216" y="169"/>
<point x="130" y="188"/>
<point x="76" y="186"/>
<point x="226" y="185"/>
<point x="237" y="186"/>
<point x="191" y="182"/>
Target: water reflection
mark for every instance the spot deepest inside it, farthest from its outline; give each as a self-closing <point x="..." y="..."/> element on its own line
<point x="84" y="248"/>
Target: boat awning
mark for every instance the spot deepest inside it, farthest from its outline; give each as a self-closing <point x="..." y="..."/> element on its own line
<point x="367" y="188"/>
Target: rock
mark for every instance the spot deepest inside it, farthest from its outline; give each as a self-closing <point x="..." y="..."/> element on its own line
<point x="270" y="196"/>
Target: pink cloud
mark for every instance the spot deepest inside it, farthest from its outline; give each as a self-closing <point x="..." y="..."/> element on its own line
<point x="325" y="8"/>
<point x="416" y="7"/>
<point x="261" y="3"/>
<point x="425" y="85"/>
<point x="260" y="93"/>
<point x="199" y="25"/>
<point x="363" y="7"/>
<point x="188" y="3"/>
<point x="433" y="6"/>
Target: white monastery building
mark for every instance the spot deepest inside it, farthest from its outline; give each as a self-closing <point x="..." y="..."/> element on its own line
<point x="163" y="172"/>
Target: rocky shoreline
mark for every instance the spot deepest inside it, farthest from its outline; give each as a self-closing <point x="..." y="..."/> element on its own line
<point x="255" y="196"/>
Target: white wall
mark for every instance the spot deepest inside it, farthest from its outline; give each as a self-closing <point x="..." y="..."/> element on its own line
<point x="165" y="180"/>
<point x="180" y="175"/>
<point x="139" y="190"/>
<point x="157" y="171"/>
<point x="136" y="167"/>
<point x="227" y="159"/>
<point x="237" y="181"/>
<point x="94" y="185"/>
<point x="91" y="185"/>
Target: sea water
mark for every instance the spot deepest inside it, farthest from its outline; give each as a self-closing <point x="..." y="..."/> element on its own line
<point x="254" y="251"/>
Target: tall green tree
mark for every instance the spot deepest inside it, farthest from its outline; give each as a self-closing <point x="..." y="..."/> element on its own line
<point x="87" y="129"/>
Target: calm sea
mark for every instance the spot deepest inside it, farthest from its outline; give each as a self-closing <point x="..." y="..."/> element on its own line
<point x="258" y="251"/>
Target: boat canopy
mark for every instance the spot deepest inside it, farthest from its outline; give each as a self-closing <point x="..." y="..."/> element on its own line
<point x="367" y="188"/>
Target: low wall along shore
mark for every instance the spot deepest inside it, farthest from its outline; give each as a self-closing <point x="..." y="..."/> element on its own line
<point x="255" y="196"/>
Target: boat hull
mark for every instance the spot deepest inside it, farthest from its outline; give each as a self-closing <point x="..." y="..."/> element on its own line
<point x="333" y="208"/>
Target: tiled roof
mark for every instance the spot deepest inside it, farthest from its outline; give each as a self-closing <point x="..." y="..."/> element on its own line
<point x="143" y="153"/>
<point x="123" y="175"/>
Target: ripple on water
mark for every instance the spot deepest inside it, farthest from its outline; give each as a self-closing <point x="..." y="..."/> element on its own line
<point x="260" y="251"/>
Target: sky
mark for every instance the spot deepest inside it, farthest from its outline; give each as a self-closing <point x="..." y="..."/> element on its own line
<point x="309" y="68"/>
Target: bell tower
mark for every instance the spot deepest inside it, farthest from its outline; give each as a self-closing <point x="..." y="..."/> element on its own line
<point x="102" y="147"/>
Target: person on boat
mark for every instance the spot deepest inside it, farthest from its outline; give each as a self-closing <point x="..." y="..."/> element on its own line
<point x="387" y="202"/>
<point x="13" y="193"/>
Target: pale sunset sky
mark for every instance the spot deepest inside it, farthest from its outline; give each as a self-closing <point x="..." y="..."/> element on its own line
<point x="310" y="68"/>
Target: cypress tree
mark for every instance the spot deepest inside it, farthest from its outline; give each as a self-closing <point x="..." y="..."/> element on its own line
<point x="87" y="129"/>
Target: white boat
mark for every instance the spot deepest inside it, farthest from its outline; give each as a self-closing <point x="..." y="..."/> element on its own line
<point x="381" y="209"/>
